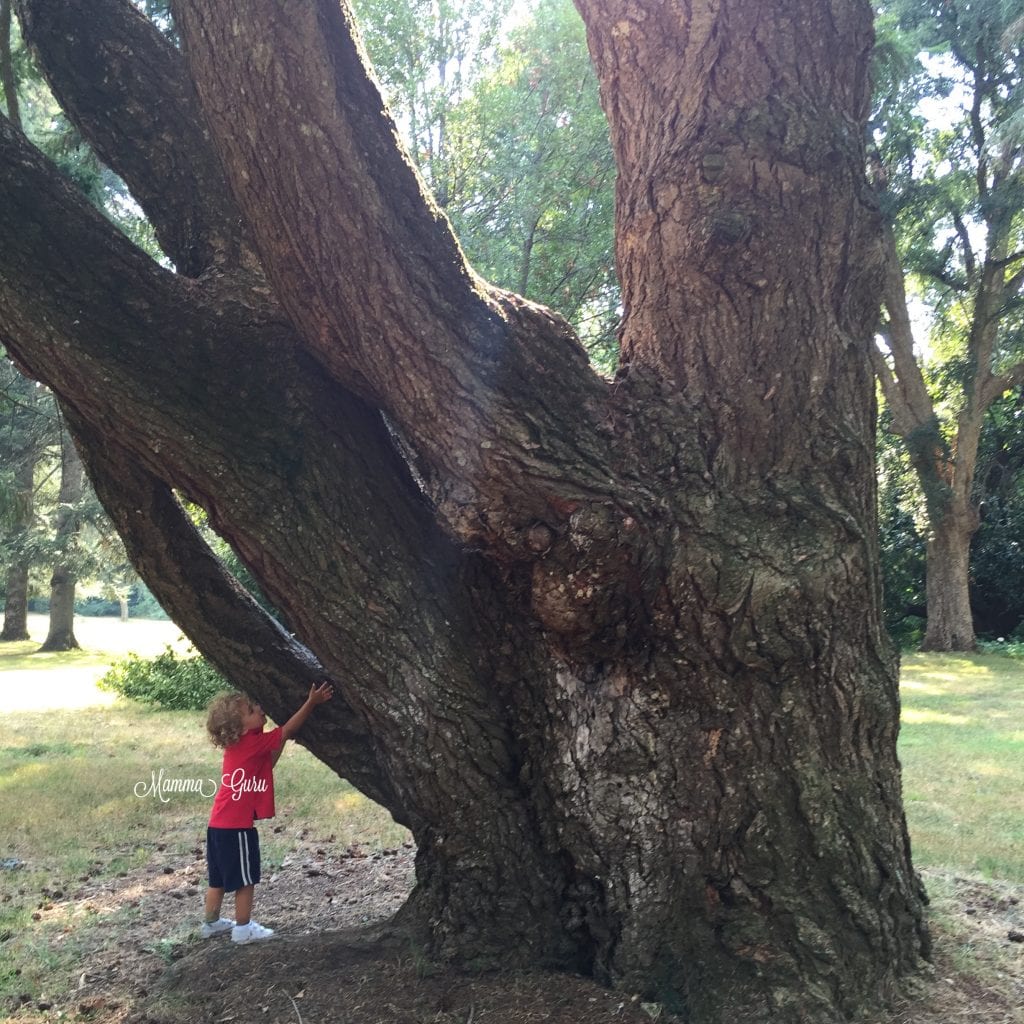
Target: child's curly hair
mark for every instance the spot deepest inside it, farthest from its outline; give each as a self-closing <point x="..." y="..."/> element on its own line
<point x="224" y="718"/>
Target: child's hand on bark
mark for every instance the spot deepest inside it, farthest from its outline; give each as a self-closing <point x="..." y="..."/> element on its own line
<point x="318" y="694"/>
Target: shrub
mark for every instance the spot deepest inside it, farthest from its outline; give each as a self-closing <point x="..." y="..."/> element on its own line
<point x="1012" y="648"/>
<point x="166" y="681"/>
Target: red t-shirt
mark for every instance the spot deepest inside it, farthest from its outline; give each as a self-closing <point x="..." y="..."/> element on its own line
<point x="247" y="780"/>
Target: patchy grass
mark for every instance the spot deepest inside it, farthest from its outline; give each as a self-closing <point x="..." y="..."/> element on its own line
<point x="33" y="681"/>
<point x="101" y="860"/>
<point x="962" y="747"/>
<point x="78" y="809"/>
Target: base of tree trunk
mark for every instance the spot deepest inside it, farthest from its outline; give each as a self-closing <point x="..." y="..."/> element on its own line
<point x="63" y="642"/>
<point x="950" y="623"/>
<point x="13" y="635"/>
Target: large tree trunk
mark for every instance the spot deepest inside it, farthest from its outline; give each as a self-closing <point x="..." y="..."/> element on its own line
<point x="612" y="652"/>
<point x="950" y="623"/>
<point x="61" y="633"/>
<point x="16" y="591"/>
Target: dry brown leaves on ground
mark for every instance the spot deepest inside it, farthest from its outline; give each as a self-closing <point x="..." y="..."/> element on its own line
<point x="144" y="962"/>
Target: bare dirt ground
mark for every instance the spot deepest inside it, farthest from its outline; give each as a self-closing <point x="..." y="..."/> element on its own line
<point x="332" y="960"/>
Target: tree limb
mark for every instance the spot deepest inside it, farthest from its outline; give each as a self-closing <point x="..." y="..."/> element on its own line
<point x="147" y="356"/>
<point x="128" y="92"/>
<point x="303" y="141"/>
<point x="965" y="242"/>
<point x="997" y="385"/>
<point x="909" y="398"/>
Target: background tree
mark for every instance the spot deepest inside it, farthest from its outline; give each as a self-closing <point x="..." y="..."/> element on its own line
<point x="612" y="650"/>
<point x="536" y="204"/>
<point x="60" y="635"/>
<point x="428" y="55"/>
<point x="27" y="428"/>
<point x="955" y="194"/>
<point x="47" y="532"/>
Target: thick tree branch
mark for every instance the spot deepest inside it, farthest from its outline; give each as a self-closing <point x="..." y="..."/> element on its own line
<point x="143" y="354"/>
<point x="477" y="382"/>
<point x="75" y="295"/>
<point x="127" y="90"/>
<point x="999" y="384"/>
<point x="890" y="387"/>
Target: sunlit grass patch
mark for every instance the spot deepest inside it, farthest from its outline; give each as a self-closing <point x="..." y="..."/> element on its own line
<point x="963" y="762"/>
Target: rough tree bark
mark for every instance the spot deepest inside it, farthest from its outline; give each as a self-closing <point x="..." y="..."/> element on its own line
<point x="60" y="636"/>
<point x="611" y="650"/>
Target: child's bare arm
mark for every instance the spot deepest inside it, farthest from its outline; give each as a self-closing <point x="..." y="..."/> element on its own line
<point x="317" y="695"/>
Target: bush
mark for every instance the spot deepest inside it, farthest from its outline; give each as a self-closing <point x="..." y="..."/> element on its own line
<point x="166" y="681"/>
<point x="97" y="607"/>
<point x="1012" y="648"/>
<point x="144" y="605"/>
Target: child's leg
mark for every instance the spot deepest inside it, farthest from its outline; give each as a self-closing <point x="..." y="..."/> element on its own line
<point x="214" y="898"/>
<point x="243" y="904"/>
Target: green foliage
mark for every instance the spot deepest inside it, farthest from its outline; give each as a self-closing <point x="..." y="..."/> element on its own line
<point x="948" y="124"/>
<point x="144" y="605"/>
<point x="535" y="203"/>
<point x="1007" y="648"/>
<point x="997" y="551"/>
<point x="166" y="681"/>
<point x="901" y="541"/>
<point x="141" y="604"/>
<point x="511" y="138"/>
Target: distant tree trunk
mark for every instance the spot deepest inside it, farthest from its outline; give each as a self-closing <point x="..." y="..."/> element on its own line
<point x="16" y="606"/>
<point x="7" y="78"/>
<point x="61" y="634"/>
<point x="16" y="596"/>
<point x="123" y="605"/>
<point x="950" y="623"/>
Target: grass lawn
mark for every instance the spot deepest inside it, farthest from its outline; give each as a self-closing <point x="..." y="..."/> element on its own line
<point x="962" y="747"/>
<point x="76" y="767"/>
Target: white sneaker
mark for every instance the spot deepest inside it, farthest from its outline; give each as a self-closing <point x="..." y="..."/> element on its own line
<point x="251" y="932"/>
<point x="215" y="927"/>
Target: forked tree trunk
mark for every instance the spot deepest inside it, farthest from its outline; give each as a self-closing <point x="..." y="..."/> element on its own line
<point x="950" y="622"/>
<point x="61" y="633"/>
<point x="613" y="652"/>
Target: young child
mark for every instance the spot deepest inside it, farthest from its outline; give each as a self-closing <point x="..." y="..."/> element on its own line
<point x="245" y="794"/>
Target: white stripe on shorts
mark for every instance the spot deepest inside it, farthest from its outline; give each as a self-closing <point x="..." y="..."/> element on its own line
<point x="243" y="859"/>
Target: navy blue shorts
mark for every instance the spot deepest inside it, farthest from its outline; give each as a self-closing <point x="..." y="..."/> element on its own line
<point x="232" y="857"/>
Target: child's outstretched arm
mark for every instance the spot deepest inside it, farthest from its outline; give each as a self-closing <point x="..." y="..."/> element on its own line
<point x="317" y="695"/>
